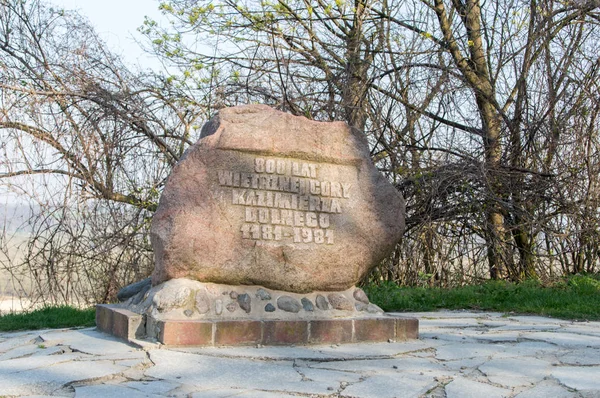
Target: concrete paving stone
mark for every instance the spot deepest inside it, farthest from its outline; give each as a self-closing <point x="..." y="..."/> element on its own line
<point x="333" y="378"/>
<point x="42" y="396"/>
<point x="20" y="351"/>
<point x="264" y="394"/>
<point x="17" y="365"/>
<point x="122" y="356"/>
<point x="462" y="387"/>
<point x="159" y="387"/>
<point x="264" y="352"/>
<point x="526" y="348"/>
<point x="589" y="394"/>
<point x="492" y="323"/>
<point x="447" y="336"/>
<point x="210" y="372"/>
<point x="458" y="323"/>
<point x="589" y="328"/>
<point x="587" y="357"/>
<point x="515" y="372"/>
<point x="493" y="336"/>
<point x="468" y="350"/>
<point x="547" y="389"/>
<point x="88" y="340"/>
<point x="450" y="314"/>
<point x="564" y="339"/>
<point x="525" y="327"/>
<point x="373" y="350"/>
<point x="46" y="379"/>
<point x="317" y="352"/>
<point x="405" y="365"/>
<point x="130" y="363"/>
<point x="579" y="377"/>
<point x="16" y="340"/>
<point x="525" y="319"/>
<point x="390" y="385"/>
<point x="229" y="392"/>
<point x="465" y="366"/>
<point x="112" y="391"/>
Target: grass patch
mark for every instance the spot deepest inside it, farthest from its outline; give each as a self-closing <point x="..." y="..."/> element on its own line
<point x="575" y="297"/>
<point x="48" y="318"/>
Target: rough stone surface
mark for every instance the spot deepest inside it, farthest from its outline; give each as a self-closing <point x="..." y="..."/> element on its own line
<point x="270" y="308"/>
<point x="245" y="302"/>
<point x="289" y="304"/>
<point x="322" y="302"/>
<point x="360" y="295"/>
<point x="202" y="302"/>
<point x="141" y="295"/>
<point x="374" y="309"/>
<point x="185" y="299"/>
<point x="133" y="289"/>
<point x="267" y="198"/>
<point x="263" y="294"/>
<point x="339" y="302"/>
<point x="166" y="299"/>
<point x="307" y="304"/>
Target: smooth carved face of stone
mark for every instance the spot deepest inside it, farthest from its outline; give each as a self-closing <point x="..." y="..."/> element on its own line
<point x="267" y="198"/>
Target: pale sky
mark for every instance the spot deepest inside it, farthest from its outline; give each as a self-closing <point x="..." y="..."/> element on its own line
<point x="116" y="21"/>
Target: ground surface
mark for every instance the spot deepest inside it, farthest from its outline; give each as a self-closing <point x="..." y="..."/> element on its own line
<point x="459" y="354"/>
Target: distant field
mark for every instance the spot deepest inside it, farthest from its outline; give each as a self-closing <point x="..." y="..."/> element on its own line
<point x="14" y="234"/>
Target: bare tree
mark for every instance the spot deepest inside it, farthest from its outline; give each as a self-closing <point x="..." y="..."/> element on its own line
<point x="94" y="140"/>
<point x="458" y="98"/>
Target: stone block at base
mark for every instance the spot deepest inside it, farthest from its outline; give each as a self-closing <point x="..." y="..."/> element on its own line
<point x="130" y="326"/>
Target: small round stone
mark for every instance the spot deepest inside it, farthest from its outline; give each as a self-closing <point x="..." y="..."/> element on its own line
<point x="269" y="307"/>
<point x="218" y="307"/>
<point x="340" y="302"/>
<point x="373" y="309"/>
<point x="322" y="303"/>
<point x="233" y="295"/>
<point x="360" y="295"/>
<point x="307" y="304"/>
<point x="263" y="294"/>
<point x="244" y="301"/>
<point x="202" y="303"/>
<point x="188" y="313"/>
<point x="232" y="306"/>
<point x="360" y="306"/>
<point x="289" y="304"/>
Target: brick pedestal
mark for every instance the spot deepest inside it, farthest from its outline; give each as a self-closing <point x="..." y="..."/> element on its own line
<point x="128" y="325"/>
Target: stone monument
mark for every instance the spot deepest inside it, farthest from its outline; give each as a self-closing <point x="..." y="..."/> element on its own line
<point x="264" y="228"/>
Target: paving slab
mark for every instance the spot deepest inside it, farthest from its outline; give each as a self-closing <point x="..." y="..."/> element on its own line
<point x="515" y="372"/>
<point x="89" y="340"/>
<point x="403" y="365"/>
<point x="112" y="391"/>
<point x="547" y="389"/>
<point x="584" y="378"/>
<point x="564" y="339"/>
<point x="462" y="387"/>
<point x="585" y="357"/>
<point x="460" y="354"/>
<point x="206" y="372"/>
<point x="390" y="385"/>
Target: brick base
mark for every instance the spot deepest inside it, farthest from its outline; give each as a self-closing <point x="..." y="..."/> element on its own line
<point x="128" y="325"/>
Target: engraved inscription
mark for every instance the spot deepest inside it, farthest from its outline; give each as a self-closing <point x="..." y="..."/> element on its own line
<point x="286" y="200"/>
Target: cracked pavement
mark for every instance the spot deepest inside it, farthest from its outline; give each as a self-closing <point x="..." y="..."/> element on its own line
<point x="459" y="354"/>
